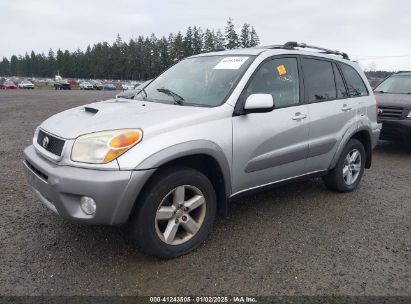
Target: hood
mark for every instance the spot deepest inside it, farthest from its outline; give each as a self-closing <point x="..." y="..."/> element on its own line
<point x="121" y="114"/>
<point x="393" y="100"/>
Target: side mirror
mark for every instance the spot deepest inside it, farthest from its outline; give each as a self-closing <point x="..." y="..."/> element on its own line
<point x="259" y="103"/>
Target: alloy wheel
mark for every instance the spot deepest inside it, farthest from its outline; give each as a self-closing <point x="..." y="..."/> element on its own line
<point x="352" y="167"/>
<point x="180" y="215"/>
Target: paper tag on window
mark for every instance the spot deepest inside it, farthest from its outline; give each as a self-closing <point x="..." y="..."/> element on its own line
<point x="230" y="63"/>
<point x="281" y="70"/>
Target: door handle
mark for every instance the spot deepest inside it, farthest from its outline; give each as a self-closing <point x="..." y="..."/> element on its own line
<point x="345" y="108"/>
<point x="299" y="116"/>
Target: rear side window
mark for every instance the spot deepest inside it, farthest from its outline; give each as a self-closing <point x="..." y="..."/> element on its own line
<point x="319" y="80"/>
<point x="355" y="84"/>
<point x="339" y="83"/>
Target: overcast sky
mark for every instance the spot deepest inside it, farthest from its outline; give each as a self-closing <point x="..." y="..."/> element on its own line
<point x="377" y="32"/>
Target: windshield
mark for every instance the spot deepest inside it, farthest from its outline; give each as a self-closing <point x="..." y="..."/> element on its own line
<point x="399" y="84"/>
<point x="203" y="81"/>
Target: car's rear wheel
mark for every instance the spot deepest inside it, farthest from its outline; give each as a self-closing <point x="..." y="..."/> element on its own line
<point x="175" y="213"/>
<point x="347" y="174"/>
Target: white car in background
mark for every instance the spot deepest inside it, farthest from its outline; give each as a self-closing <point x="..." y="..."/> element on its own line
<point x="127" y="86"/>
<point x="86" y="86"/>
<point x="26" y="85"/>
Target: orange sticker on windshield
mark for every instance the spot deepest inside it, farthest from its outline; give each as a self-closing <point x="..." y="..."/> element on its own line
<point x="281" y="70"/>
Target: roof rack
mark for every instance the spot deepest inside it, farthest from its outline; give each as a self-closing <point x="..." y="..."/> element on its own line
<point x="291" y="45"/>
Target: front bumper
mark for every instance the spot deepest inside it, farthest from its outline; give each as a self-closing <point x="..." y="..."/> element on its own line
<point x="60" y="188"/>
<point x="396" y="130"/>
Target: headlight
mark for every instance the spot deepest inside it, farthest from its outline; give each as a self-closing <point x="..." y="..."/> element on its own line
<point x="36" y="133"/>
<point x="409" y="114"/>
<point x="103" y="147"/>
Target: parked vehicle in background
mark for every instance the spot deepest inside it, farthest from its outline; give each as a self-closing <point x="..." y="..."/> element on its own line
<point x="71" y="80"/>
<point x="62" y="85"/>
<point x="130" y="94"/>
<point x="8" y="85"/>
<point x="26" y="85"/>
<point x="127" y="86"/>
<point x="97" y="85"/>
<point x="108" y="87"/>
<point x="85" y="85"/>
<point x="394" y="107"/>
<point x="211" y="128"/>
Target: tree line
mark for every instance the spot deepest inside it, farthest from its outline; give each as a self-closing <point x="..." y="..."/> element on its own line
<point x="140" y="58"/>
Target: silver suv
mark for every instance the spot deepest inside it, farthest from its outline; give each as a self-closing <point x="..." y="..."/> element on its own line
<point x="211" y="128"/>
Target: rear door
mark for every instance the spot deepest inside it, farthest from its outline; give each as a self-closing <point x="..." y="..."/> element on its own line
<point x="357" y="90"/>
<point x="269" y="147"/>
<point x="331" y="112"/>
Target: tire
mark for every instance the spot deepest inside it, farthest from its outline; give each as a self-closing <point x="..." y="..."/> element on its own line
<point x="150" y="233"/>
<point x="347" y="174"/>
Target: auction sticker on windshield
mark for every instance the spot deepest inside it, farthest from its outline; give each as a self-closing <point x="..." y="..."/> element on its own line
<point x="230" y="63"/>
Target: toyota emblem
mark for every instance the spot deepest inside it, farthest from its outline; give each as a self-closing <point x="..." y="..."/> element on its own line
<point x="45" y="142"/>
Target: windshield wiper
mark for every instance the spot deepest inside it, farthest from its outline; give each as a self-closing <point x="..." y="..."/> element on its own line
<point x="177" y="98"/>
<point x="143" y="90"/>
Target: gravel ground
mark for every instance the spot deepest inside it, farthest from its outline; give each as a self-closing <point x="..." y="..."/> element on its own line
<point x="300" y="239"/>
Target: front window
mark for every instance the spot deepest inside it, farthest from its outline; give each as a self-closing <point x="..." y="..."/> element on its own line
<point x="397" y="84"/>
<point x="278" y="77"/>
<point x="202" y="81"/>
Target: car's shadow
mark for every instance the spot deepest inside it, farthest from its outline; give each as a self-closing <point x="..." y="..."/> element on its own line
<point x="114" y="240"/>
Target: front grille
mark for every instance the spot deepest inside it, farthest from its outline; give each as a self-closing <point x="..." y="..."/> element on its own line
<point x="390" y="113"/>
<point x="55" y="145"/>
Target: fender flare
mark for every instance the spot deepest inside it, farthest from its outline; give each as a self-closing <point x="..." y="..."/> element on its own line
<point x="346" y="137"/>
<point x="190" y="148"/>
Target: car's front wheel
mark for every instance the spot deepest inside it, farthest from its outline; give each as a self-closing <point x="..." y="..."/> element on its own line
<point x="347" y="173"/>
<point x="175" y="213"/>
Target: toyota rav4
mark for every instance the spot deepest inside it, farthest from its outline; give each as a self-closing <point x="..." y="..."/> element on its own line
<point x="209" y="129"/>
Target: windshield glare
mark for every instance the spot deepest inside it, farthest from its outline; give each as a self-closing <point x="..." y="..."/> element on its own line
<point x="203" y="81"/>
<point x="400" y="84"/>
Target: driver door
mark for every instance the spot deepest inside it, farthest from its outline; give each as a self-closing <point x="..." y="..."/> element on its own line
<point x="272" y="146"/>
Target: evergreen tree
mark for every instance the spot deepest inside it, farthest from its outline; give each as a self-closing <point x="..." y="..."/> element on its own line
<point x="5" y="67"/>
<point x="59" y="61"/>
<point x="155" y="55"/>
<point x="188" y="42"/>
<point x="254" y="39"/>
<point x="245" y="36"/>
<point x="231" y="36"/>
<point x="209" y="41"/>
<point x="197" y="44"/>
<point x="140" y="58"/>
<point x="13" y="65"/>
<point x="178" y="48"/>
<point x="51" y="64"/>
<point x="219" y="41"/>
<point x="164" y="54"/>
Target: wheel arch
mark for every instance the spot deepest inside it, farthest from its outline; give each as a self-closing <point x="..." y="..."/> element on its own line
<point x="364" y="136"/>
<point x="204" y="156"/>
